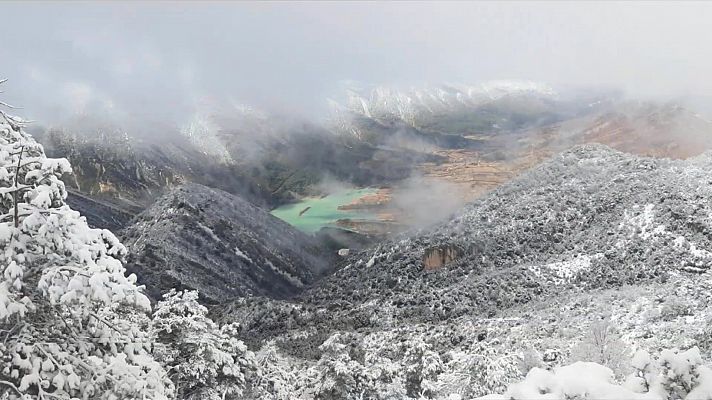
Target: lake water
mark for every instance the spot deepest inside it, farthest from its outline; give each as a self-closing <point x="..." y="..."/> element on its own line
<point x="324" y="211"/>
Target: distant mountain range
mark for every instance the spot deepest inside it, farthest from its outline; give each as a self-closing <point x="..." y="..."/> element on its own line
<point x="460" y="109"/>
<point x="377" y="136"/>
<point x="414" y="104"/>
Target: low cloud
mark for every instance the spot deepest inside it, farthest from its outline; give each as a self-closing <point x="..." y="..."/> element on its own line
<point x="425" y="201"/>
<point x="151" y="61"/>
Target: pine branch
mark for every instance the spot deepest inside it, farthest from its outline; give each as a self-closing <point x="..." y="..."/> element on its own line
<point x="10" y="106"/>
<point x="14" y="194"/>
<point x="12" y="386"/>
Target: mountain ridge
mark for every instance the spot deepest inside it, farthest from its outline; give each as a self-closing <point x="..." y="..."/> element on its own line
<point x="591" y="218"/>
<point x="207" y="239"/>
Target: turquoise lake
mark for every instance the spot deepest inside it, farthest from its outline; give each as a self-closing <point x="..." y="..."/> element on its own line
<point x="323" y="212"/>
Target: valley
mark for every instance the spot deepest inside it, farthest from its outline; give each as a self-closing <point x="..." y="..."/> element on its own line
<point x="451" y="148"/>
<point x="360" y="200"/>
<point x="483" y="246"/>
<point x="457" y="232"/>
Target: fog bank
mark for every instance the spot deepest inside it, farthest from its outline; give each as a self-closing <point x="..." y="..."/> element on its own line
<point x="159" y="62"/>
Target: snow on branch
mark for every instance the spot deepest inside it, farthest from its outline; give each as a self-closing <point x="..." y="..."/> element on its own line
<point x="83" y="323"/>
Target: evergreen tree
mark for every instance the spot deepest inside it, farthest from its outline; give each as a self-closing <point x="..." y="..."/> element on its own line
<point x="72" y="324"/>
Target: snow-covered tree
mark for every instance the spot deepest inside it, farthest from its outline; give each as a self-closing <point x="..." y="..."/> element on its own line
<point x="602" y="345"/>
<point x="644" y="373"/>
<point x="422" y="367"/>
<point x="482" y="368"/>
<point x="205" y="360"/>
<point x="70" y="319"/>
<point x="674" y="375"/>
<point x="681" y="375"/>
<point x="341" y="372"/>
<point x="277" y="378"/>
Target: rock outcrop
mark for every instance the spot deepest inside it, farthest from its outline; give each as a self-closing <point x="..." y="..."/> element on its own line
<point x="440" y="256"/>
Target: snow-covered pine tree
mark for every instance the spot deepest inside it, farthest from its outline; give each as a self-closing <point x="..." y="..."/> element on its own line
<point x="422" y="367"/>
<point x="206" y="361"/>
<point x="280" y="378"/>
<point x="339" y="375"/>
<point x="72" y="325"/>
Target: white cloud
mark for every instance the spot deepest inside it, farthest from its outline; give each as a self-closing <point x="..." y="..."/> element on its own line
<point x="79" y="95"/>
<point x="157" y="55"/>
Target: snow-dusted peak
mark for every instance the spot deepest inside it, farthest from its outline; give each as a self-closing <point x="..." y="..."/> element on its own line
<point x="507" y="87"/>
<point x="203" y="133"/>
<point x="247" y="111"/>
<point x="407" y="104"/>
<point x="417" y="105"/>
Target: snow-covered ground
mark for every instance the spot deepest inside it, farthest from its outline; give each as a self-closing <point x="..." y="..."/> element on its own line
<point x="592" y="256"/>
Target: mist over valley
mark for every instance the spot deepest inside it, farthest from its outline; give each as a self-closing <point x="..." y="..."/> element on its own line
<point x="355" y="200"/>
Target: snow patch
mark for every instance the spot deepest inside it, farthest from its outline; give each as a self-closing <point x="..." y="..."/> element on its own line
<point x="241" y="254"/>
<point x="641" y="222"/>
<point x="209" y="232"/>
<point x="291" y="278"/>
<point x="563" y="271"/>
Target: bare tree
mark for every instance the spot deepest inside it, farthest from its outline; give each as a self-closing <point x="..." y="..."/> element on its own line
<point x="602" y="345"/>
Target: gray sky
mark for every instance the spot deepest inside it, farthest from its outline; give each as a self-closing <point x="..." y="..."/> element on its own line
<point x="162" y="60"/>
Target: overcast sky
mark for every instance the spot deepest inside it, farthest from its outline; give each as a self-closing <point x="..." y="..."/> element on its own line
<point x="162" y="60"/>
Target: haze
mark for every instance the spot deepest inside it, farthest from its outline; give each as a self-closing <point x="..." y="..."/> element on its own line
<point x="159" y="61"/>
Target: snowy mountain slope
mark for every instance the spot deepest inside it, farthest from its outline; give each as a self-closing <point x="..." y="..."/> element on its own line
<point x="449" y="109"/>
<point x="206" y="239"/>
<point x="662" y="130"/>
<point x="474" y="356"/>
<point x="99" y="213"/>
<point x="613" y="209"/>
<point x="130" y="172"/>
<point x="384" y="102"/>
<point x="591" y="235"/>
<point x="589" y="218"/>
